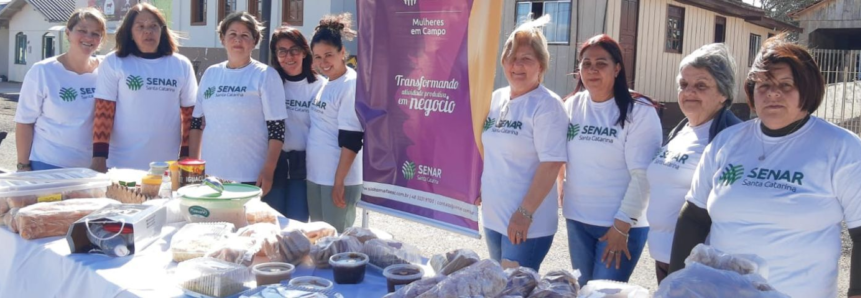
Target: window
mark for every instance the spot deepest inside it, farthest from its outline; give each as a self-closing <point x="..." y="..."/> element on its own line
<point x="675" y="29"/>
<point x="755" y="43"/>
<point x="198" y="12"/>
<point x="48" y="45"/>
<point x="20" y="48"/>
<point x="559" y="29"/>
<point x="225" y="7"/>
<point x="292" y="12"/>
<point x="255" y="8"/>
<point x="720" y="29"/>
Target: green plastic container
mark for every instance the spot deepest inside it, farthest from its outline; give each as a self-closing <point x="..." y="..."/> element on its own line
<point x="201" y="203"/>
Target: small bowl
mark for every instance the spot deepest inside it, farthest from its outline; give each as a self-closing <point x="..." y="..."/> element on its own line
<point x="312" y="282"/>
<point x="402" y="274"/>
<point x="349" y="267"/>
<point x="272" y="273"/>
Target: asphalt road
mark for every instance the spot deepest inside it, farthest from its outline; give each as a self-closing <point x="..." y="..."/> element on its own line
<point x="428" y="239"/>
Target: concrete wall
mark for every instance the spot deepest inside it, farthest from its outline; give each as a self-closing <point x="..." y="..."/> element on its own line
<point x="831" y="14"/>
<point x="4" y="53"/>
<point x="33" y="24"/>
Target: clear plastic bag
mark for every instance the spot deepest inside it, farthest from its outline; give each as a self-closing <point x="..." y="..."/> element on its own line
<point x="54" y="218"/>
<point x="329" y="246"/>
<point x="260" y="212"/>
<point x="417" y="288"/>
<point x="4" y="207"/>
<point x="384" y="253"/>
<point x="483" y="279"/>
<point x="559" y="283"/>
<point x="612" y="289"/>
<point x="521" y="282"/>
<point x="700" y="281"/>
<point x="364" y="235"/>
<point x="294" y="246"/>
<point x="9" y="220"/>
<point x="453" y="261"/>
<point x="739" y="263"/>
<point x="237" y="250"/>
<point x="195" y="239"/>
<point x="318" y="229"/>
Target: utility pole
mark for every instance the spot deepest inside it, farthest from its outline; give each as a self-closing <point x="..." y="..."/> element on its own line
<point x="267" y="22"/>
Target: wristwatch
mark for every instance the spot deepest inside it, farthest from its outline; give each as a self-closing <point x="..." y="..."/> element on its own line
<point x="22" y="166"/>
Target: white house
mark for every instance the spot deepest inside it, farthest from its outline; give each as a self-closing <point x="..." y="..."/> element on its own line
<point x="33" y="30"/>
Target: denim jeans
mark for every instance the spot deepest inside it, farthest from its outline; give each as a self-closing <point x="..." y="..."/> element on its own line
<point x="289" y="197"/>
<point x="38" y="166"/>
<point x="586" y="250"/>
<point x="528" y="254"/>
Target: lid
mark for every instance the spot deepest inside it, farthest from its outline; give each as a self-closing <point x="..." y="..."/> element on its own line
<point x="348" y="259"/>
<point x="231" y="192"/>
<point x="311" y="282"/>
<point x="273" y="269"/>
<point x="121" y="251"/>
<point x="158" y="167"/>
<point x="173" y="165"/>
<point x="51" y="181"/>
<point x="403" y="272"/>
<point x="191" y="162"/>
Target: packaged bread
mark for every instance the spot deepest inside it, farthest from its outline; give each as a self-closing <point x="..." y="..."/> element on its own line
<point x="363" y="234"/>
<point x="613" y="289"/>
<point x="329" y="246"/>
<point x="521" y="282"/>
<point x="384" y="253"/>
<point x="4" y="206"/>
<point x="453" y="261"/>
<point x="260" y="212"/>
<point x="318" y="229"/>
<point x="237" y="250"/>
<point x="558" y="283"/>
<point x="417" y="288"/>
<point x="9" y="220"/>
<point x="483" y="279"/>
<point x="195" y="239"/>
<point x="212" y="277"/>
<point x="23" y="189"/>
<point x="294" y="246"/>
<point x="54" y="218"/>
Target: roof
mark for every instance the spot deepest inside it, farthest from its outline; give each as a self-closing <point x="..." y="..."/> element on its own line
<point x="808" y="8"/>
<point x="747" y="12"/>
<point x="55" y="11"/>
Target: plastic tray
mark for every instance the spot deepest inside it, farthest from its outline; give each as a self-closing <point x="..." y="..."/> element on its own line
<point x="212" y="277"/>
<point x="44" y="184"/>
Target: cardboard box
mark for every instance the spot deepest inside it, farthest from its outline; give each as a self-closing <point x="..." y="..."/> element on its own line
<point x="145" y="221"/>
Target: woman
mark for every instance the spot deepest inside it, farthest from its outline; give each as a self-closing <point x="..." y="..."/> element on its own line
<point x="759" y="189"/>
<point x="524" y="141"/>
<point x="292" y="59"/>
<point x="241" y="101"/>
<point x="706" y="86"/>
<point x="612" y="137"/>
<point x="335" y="137"/>
<point x="55" y="108"/>
<point x="143" y="111"/>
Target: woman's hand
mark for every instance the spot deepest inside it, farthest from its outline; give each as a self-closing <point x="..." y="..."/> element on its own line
<point x="518" y="226"/>
<point x="99" y="164"/>
<point x="338" y="195"/>
<point x="617" y="243"/>
<point x="264" y="181"/>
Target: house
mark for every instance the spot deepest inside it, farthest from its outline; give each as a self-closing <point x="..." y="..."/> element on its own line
<point x="830" y="24"/>
<point x="655" y="35"/>
<point x="34" y="30"/>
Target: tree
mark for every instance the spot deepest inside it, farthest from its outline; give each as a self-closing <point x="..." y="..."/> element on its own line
<point x="778" y="9"/>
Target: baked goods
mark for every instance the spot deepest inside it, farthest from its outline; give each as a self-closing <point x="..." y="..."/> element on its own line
<point x="384" y="253"/>
<point x="212" y="277"/>
<point x="417" y="288"/>
<point x="360" y="233"/>
<point x="453" y="261"/>
<point x="195" y="239"/>
<point x="318" y="229"/>
<point x="613" y="289"/>
<point x="521" y="282"/>
<point x="698" y="280"/>
<point x="9" y="220"/>
<point x="294" y="246"/>
<point x="54" y="218"/>
<point x="237" y="250"/>
<point x="329" y="246"/>
<point x="483" y="279"/>
<point x="559" y="283"/>
<point x="260" y="212"/>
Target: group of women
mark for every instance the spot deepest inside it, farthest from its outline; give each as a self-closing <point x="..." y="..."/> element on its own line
<point x="750" y="187"/>
<point x="778" y="186"/>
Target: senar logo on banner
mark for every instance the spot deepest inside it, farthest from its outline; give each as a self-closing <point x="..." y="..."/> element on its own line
<point x="425" y="173"/>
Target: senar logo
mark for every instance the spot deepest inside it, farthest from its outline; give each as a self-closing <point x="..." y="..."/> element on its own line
<point x="134" y="82"/>
<point x="731" y="174"/>
<point x="489" y="123"/>
<point x="209" y="92"/>
<point x="409" y="170"/>
<point x="573" y="131"/>
<point x="68" y="94"/>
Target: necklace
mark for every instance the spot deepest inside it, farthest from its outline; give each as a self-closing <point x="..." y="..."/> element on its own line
<point x="794" y="128"/>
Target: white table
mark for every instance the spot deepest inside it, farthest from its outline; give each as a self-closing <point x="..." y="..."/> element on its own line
<point x="46" y="268"/>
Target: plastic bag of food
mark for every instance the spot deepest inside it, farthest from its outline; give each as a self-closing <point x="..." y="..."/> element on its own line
<point x="21" y="201"/>
<point x="700" y="281"/>
<point x="417" y="288"/>
<point x="267" y="236"/>
<point x="54" y="218"/>
<point x="4" y="206"/>
<point x="453" y="261"/>
<point x="9" y="220"/>
<point x="364" y="235"/>
<point x="294" y="246"/>
<point x="521" y="282"/>
<point x="260" y="212"/>
<point x="612" y="289"/>
<point x="740" y="263"/>
<point x="195" y="239"/>
<point x="211" y="277"/>
<point x="384" y="253"/>
<point x="237" y="250"/>
<point x="559" y="283"/>
<point x="483" y="279"/>
<point x="318" y="229"/>
<point x="329" y="246"/>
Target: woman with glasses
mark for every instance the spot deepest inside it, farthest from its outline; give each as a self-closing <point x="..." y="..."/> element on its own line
<point x="242" y="102"/>
<point x="292" y="60"/>
<point x="55" y="110"/>
<point x="144" y="95"/>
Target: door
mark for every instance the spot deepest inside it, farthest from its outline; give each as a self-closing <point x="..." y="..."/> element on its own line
<point x="720" y="29"/>
<point x="628" y="37"/>
<point x="47" y="46"/>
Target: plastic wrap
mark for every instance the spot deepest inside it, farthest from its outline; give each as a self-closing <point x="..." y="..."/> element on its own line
<point x="329" y="246"/>
<point x="559" y="283"/>
<point x="238" y="250"/>
<point x="318" y="229"/>
<point x="700" y="281"/>
<point x="364" y="235"/>
<point x="4" y="207"/>
<point x="9" y="220"/>
<point x="294" y="246"/>
<point x="384" y="253"/>
<point x="483" y="279"/>
<point x="453" y="261"/>
<point x="54" y="218"/>
<point x="521" y="282"/>
<point x="195" y="239"/>
<point x="417" y="287"/>
<point x="740" y="263"/>
<point x="612" y="289"/>
<point x="211" y="277"/>
<point x="260" y="212"/>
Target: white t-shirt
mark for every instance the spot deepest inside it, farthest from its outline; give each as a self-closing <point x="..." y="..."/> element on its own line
<point x="60" y="103"/>
<point x="602" y="154"/>
<point x="299" y="95"/>
<point x="787" y="208"/>
<point x="518" y="135"/>
<point x="333" y="109"/>
<point x="670" y="176"/>
<point x="149" y="94"/>
<point x="237" y="103"/>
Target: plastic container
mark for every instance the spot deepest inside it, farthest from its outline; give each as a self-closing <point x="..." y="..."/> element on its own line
<point x="282" y="290"/>
<point x="400" y="275"/>
<point x="22" y="189"/>
<point x="349" y="267"/>
<point x="191" y="171"/>
<point x="312" y="283"/>
<point x="195" y="239"/>
<point x="272" y="273"/>
<point x="211" y="277"/>
<point x="200" y="203"/>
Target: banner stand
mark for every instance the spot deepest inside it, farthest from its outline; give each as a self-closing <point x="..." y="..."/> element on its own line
<point x="415" y="218"/>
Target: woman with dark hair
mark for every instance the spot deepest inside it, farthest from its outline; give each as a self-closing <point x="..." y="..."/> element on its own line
<point x="335" y="137"/>
<point x="241" y="102"/>
<point x="55" y="110"/>
<point x="612" y="137"/>
<point x="291" y="57"/>
<point x="779" y="186"/>
<point x="144" y="95"/>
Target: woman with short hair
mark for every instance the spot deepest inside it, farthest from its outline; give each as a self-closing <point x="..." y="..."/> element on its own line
<point x="144" y="95"/>
<point x="779" y="186"/>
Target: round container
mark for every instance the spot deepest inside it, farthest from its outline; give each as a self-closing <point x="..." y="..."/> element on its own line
<point x="272" y="273"/>
<point x="402" y="274"/>
<point x="312" y="282"/>
<point x="349" y="267"/>
<point x="200" y="203"/>
<point x="191" y="171"/>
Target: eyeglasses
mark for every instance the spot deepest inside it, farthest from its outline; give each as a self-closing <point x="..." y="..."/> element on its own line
<point x="293" y="51"/>
<point x="154" y="28"/>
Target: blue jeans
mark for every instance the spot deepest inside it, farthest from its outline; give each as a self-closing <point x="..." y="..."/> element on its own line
<point x="289" y="197"/>
<point x="528" y="254"/>
<point x="38" y="166"/>
<point x="586" y="250"/>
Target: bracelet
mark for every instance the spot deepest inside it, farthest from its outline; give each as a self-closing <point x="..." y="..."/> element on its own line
<point x="620" y="231"/>
<point x="524" y="213"/>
